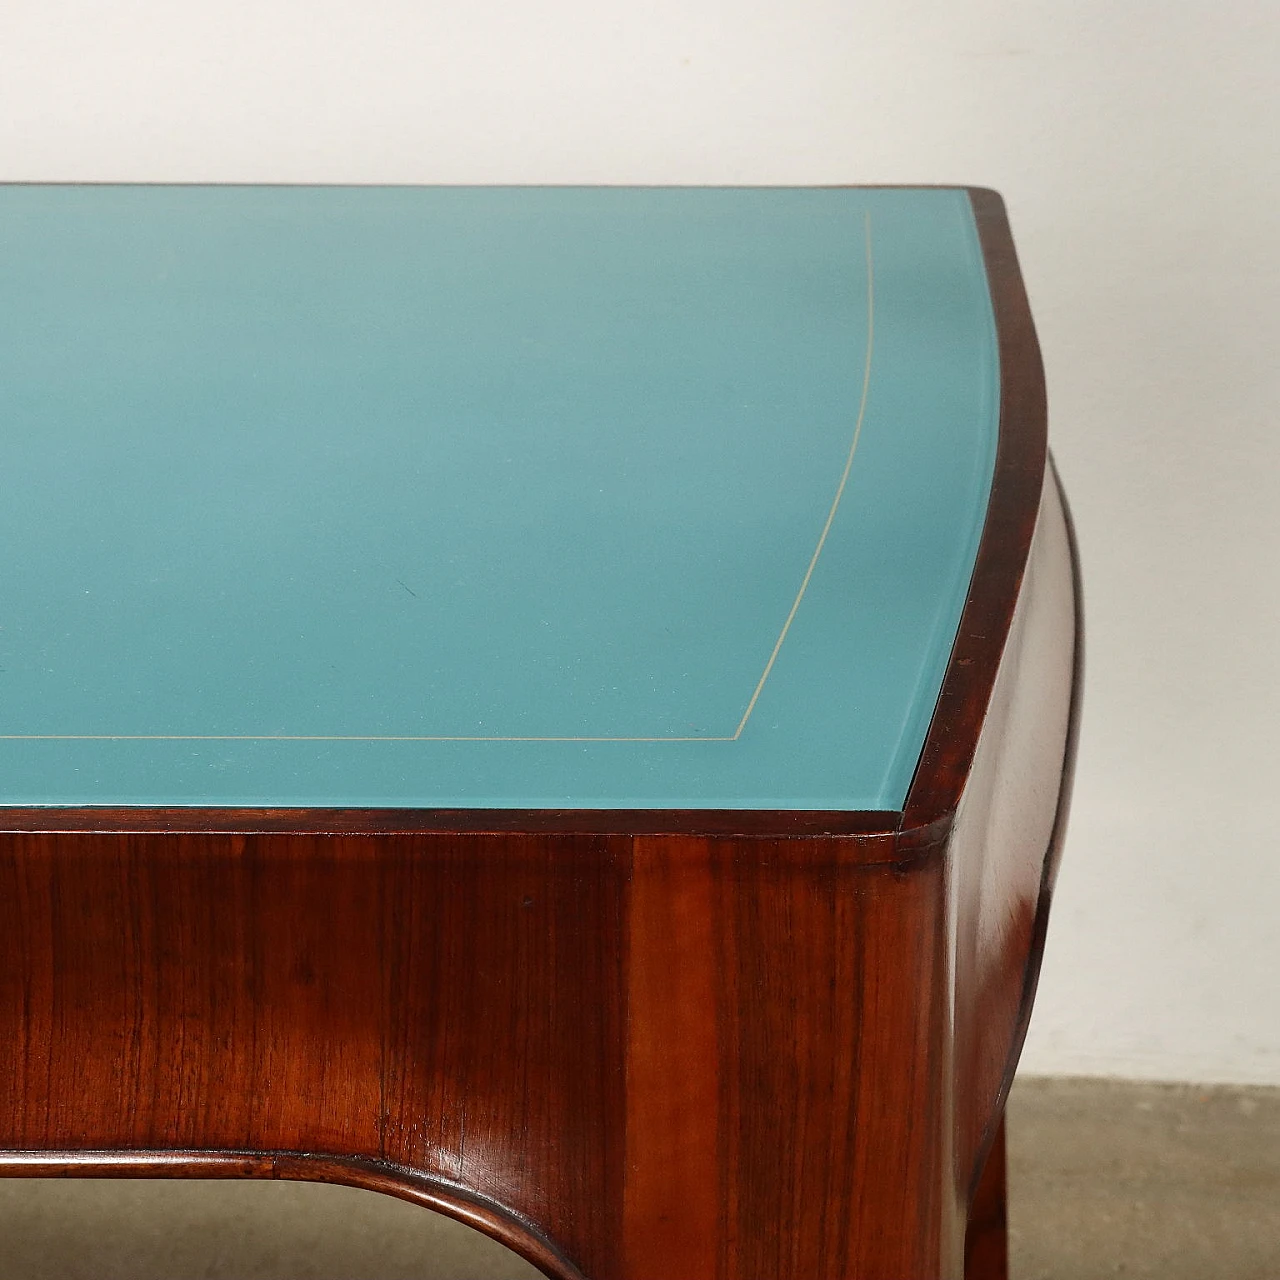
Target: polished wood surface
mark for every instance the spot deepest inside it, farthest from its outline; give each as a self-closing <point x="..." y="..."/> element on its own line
<point x="986" y="1243"/>
<point x="748" y="1046"/>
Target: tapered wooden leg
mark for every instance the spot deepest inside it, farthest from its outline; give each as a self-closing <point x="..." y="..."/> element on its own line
<point x="986" y="1246"/>
<point x="784" y="1066"/>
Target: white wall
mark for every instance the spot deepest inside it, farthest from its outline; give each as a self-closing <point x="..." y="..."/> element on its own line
<point x="1137" y="144"/>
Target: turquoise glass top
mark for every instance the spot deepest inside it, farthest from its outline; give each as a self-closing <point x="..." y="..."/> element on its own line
<point x="475" y="497"/>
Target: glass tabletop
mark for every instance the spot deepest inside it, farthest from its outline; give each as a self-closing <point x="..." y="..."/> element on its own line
<point x="484" y="497"/>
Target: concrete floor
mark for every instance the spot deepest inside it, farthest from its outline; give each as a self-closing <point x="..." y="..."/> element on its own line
<point x="1169" y="1181"/>
<point x="1106" y="1180"/>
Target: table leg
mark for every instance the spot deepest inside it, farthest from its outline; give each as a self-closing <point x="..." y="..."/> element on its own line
<point x="986" y="1246"/>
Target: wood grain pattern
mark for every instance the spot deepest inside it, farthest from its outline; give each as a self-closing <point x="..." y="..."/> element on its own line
<point x="986" y="1244"/>
<point x="672" y="1194"/>
<point x="442" y="1008"/>
<point x="630" y="1045"/>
